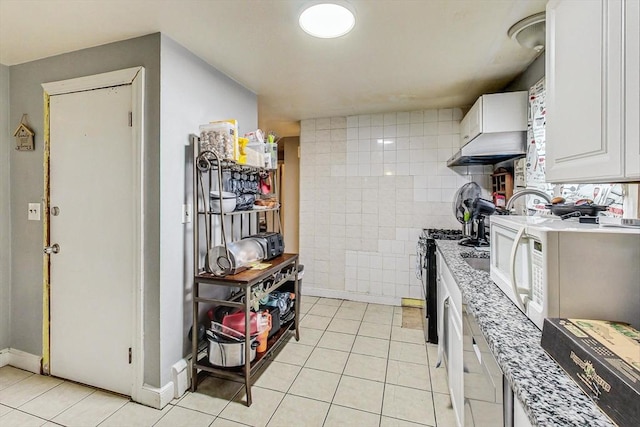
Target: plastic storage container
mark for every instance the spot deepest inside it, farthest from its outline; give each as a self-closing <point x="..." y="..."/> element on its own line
<point x="221" y="138"/>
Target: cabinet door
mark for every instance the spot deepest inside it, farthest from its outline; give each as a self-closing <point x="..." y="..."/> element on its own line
<point x="465" y="135"/>
<point x="520" y="418"/>
<point x="632" y="89"/>
<point x="475" y="119"/>
<point x="455" y="367"/>
<point x="584" y="99"/>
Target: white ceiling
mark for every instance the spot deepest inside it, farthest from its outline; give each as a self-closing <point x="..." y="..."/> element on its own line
<point x="402" y="54"/>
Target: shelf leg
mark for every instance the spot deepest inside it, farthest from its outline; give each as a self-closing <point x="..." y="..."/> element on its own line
<point x="194" y="340"/>
<point x="296" y="291"/>
<point x="247" y="343"/>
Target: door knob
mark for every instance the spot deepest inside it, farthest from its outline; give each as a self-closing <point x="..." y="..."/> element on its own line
<point x="54" y="249"/>
<point x="55" y="211"/>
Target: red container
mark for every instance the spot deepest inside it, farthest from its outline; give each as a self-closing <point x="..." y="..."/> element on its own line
<point x="235" y="321"/>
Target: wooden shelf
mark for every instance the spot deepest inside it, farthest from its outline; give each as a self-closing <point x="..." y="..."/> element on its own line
<point x="502" y="184"/>
<point x="273" y="344"/>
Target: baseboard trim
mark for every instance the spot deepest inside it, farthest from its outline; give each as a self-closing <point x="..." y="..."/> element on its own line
<point x="154" y="397"/>
<point x="20" y="359"/>
<point x="351" y="296"/>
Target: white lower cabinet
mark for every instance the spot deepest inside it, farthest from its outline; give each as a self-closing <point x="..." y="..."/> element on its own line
<point x="520" y="418"/>
<point x="455" y="366"/>
<point x="451" y="334"/>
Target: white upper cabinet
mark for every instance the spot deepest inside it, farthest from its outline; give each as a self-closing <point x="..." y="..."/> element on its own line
<point x="632" y="90"/>
<point x="496" y="112"/>
<point x="592" y="91"/>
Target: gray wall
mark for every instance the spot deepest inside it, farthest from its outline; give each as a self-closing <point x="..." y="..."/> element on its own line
<point x="27" y="184"/>
<point x="5" y="218"/>
<point x="290" y="188"/>
<point x="192" y="93"/>
<point x="529" y="77"/>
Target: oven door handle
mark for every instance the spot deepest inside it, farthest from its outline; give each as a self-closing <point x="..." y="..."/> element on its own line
<point x="514" y="284"/>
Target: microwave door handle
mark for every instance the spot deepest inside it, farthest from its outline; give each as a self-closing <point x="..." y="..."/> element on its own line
<point x="514" y="284"/>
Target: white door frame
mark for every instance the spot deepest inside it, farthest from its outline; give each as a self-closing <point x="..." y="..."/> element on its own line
<point x="134" y="77"/>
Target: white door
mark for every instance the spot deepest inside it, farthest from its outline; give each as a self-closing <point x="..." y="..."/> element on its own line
<point x="93" y="188"/>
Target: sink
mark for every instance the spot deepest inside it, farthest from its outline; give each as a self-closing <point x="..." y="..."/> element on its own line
<point x="483" y="264"/>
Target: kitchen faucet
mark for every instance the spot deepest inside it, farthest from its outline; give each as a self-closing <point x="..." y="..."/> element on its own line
<point x="525" y="192"/>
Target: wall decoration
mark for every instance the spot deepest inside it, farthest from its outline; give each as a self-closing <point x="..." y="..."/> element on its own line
<point x="24" y="136"/>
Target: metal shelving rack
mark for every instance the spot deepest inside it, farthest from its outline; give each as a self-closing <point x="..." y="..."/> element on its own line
<point x="281" y="270"/>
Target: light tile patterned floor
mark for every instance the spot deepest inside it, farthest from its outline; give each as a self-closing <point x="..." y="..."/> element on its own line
<point x="355" y="365"/>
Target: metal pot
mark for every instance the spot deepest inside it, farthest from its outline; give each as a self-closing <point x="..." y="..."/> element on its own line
<point x="562" y="209"/>
<point x="228" y="353"/>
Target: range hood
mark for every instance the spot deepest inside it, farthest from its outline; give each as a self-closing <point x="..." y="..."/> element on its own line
<point x="494" y="130"/>
<point x="490" y="148"/>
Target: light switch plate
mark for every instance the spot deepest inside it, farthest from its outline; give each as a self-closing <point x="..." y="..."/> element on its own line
<point x="34" y="211"/>
<point x="186" y="213"/>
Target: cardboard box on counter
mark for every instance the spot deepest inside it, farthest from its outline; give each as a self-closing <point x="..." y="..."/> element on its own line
<point x="603" y="358"/>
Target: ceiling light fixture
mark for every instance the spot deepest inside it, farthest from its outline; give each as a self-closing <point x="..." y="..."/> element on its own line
<point x="327" y="20"/>
<point x="530" y="32"/>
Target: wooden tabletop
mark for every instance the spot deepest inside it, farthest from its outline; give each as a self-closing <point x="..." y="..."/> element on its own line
<point x="249" y="276"/>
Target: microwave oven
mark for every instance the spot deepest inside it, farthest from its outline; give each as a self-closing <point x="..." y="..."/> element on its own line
<point x="554" y="268"/>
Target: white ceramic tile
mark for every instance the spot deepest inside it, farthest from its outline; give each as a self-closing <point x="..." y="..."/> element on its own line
<point x="417" y="117"/>
<point x="323" y="123"/>
<point x="294" y="353"/>
<point x="277" y="376"/>
<point x="350" y="313"/>
<point x="309" y="336"/>
<point x="135" y="415"/>
<point x="10" y="375"/>
<point x="375" y="330"/>
<point x="439" y="379"/>
<point x="325" y="359"/>
<point x="368" y="367"/>
<point x="371" y="346"/>
<point x="23" y="391"/>
<point x="4" y="410"/>
<point x="212" y="395"/>
<point x="408" y="352"/>
<point x="337" y="341"/>
<point x="323" y="310"/>
<point x="92" y="410"/>
<point x="178" y="416"/>
<point x="315" y="322"/>
<point x="263" y="406"/>
<point x="56" y="400"/>
<point x="394" y="422"/>
<point x="415" y="336"/>
<point x="344" y="325"/>
<point x="314" y="384"/>
<point x="341" y="416"/>
<point x="408" y="374"/>
<point x="361" y="394"/>
<point x="221" y="422"/>
<point x="408" y="404"/>
<point x="381" y="318"/>
<point x="299" y="411"/>
<point x="15" y="418"/>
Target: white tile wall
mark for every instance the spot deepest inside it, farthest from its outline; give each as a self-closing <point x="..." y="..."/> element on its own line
<point x="369" y="185"/>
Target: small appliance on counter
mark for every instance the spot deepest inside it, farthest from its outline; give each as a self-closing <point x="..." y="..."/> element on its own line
<point x="554" y="268"/>
<point x="470" y="210"/>
<point x="239" y="257"/>
<point x="272" y="244"/>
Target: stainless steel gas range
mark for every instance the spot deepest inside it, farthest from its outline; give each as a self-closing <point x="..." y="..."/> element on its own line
<point x="426" y="271"/>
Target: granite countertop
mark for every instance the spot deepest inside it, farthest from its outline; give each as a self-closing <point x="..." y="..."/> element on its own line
<point x="547" y="393"/>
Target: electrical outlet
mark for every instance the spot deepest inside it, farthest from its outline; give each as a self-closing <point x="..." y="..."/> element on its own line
<point x="34" y="211"/>
<point x="186" y="213"/>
